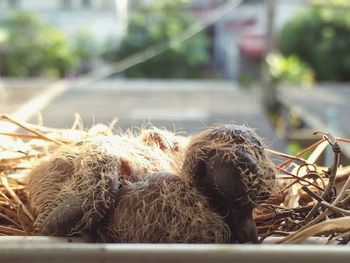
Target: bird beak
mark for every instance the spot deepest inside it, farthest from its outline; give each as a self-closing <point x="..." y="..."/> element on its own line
<point x="243" y="229"/>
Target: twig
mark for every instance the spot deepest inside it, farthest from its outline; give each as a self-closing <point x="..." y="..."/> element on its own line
<point x="291" y="157"/>
<point x="342" y="235"/>
<point x="335" y="209"/>
<point x="112" y="124"/>
<point x="315" y="220"/>
<point x="311" y="147"/>
<point x="24" y="220"/>
<point x="339" y="139"/>
<point x="338" y="224"/>
<point x="22" y="125"/>
<point x="77" y="121"/>
<point x="333" y="171"/>
<point x="342" y="192"/>
<point x="297" y="180"/>
<point x="14" y="196"/>
<point x="319" y="217"/>
<point x="24" y="157"/>
<point x="21" y="135"/>
<point x="268" y="234"/>
<point x="275" y="216"/>
<point x="12" y="231"/>
<point x="306" y="168"/>
<point x="325" y="203"/>
<point x="312" y="194"/>
<point x="8" y="211"/>
<point x="9" y="219"/>
<point x="342" y="174"/>
<point x="7" y="199"/>
<point x="344" y="202"/>
<point x="332" y="175"/>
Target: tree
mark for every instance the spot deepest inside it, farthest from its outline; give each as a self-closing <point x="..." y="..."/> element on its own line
<point x="288" y="70"/>
<point x="33" y="48"/>
<point x="151" y="26"/>
<point x="320" y="37"/>
<point x="86" y="49"/>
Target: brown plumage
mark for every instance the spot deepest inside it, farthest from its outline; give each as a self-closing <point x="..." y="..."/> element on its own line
<point x="154" y="188"/>
<point x="228" y="165"/>
<point x="162" y="208"/>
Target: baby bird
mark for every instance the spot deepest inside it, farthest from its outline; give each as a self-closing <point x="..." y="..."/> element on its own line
<point x="154" y="188"/>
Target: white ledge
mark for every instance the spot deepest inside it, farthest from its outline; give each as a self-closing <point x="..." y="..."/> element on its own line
<point x="52" y="249"/>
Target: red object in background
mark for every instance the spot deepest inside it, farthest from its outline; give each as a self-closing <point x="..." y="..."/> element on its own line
<point x="253" y="46"/>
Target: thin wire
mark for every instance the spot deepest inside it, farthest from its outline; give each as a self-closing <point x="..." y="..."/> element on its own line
<point x="157" y="49"/>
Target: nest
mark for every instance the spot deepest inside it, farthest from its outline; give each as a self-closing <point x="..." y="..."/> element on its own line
<point x="308" y="200"/>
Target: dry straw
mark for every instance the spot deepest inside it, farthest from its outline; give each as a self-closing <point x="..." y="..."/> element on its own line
<point x="301" y="185"/>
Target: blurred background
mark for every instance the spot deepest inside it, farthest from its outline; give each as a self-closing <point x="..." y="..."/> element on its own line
<point x="281" y="67"/>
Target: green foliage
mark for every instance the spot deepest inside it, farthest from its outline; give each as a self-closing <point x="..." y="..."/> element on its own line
<point x="294" y="147"/>
<point x="86" y="49"/>
<point x="33" y="48"/>
<point x="84" y="45"/>
<point x="151" y="26"/>
<point x="320" y="36"/>
<point x="289" y="70"/>
<point x="245" y="80"/>
<point x="3" y="36"/>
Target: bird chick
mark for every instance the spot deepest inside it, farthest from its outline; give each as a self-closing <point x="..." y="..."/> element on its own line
<point x="228" y="165"/>
<point x="128" y="189"/>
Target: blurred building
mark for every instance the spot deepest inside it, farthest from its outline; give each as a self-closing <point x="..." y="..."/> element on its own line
<point x="240" y="38"/>
<point x="102" y="18"/>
